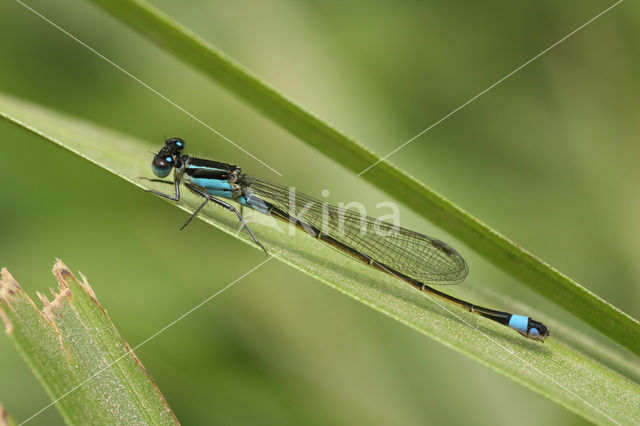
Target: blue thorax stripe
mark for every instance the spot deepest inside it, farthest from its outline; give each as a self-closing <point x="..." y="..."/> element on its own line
<point x="216" y="184"/>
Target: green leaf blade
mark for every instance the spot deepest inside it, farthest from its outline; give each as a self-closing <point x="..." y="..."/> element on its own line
<point x="553" y="369"/>
<point x="79" y="357"/>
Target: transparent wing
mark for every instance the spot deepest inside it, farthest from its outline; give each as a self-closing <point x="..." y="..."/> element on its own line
<point x="418" y="256"/>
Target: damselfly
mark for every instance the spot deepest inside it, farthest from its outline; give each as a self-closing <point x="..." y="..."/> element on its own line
<point x="416" y="259"/>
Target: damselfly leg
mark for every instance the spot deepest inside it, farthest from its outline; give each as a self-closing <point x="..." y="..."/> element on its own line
<point x="207" y="198"/>
<point x="176" y="197"/>
<point x="222" y="204"/>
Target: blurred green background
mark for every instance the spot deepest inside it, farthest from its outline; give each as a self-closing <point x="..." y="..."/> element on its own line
<point x="549" y="158"/>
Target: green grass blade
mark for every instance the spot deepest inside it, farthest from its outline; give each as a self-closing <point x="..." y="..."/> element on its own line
<point x="72" y="347"/>
<point x="496" y="248"/>
<point x="554" y="369"/>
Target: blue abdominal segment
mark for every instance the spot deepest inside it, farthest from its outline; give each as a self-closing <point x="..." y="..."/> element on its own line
<point x="255" y="203"/>
<point x="519" y="323"/>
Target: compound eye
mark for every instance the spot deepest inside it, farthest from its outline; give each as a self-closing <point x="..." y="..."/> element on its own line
<point x="161" y="166"/>
<point x="176" y="144"/>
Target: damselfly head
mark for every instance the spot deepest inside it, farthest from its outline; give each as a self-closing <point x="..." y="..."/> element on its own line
<point x="162" y="164"/>
<point x="167" y="157"/>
